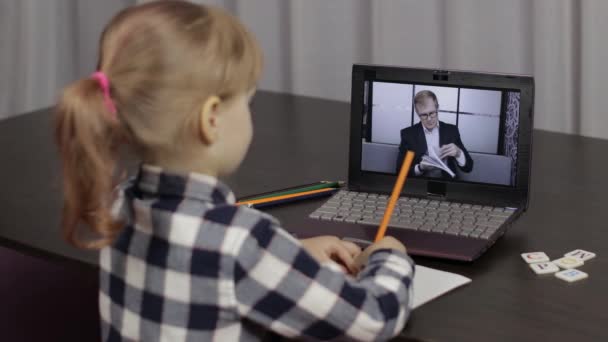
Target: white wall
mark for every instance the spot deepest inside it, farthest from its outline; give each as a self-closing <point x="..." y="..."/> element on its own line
<point x="310" y="46"/>
<point x="45" y="45"/>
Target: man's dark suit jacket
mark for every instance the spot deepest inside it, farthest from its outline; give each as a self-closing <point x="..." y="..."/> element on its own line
<point x="413" y="139"/>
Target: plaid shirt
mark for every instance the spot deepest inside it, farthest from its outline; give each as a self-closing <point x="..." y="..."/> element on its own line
<point x="191" y="266"/>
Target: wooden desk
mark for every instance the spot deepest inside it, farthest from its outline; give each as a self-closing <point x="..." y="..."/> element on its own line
<point x="300" y="140"/>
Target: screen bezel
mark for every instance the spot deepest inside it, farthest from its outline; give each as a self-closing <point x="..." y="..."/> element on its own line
<point x="454" y="190"/>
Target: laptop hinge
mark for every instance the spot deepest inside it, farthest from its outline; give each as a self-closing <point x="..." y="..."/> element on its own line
<point x="436" y="189"/>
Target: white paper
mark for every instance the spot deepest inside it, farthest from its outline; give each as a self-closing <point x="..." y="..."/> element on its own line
<point x="430" y="283"/>
<point x="432" y="159"/>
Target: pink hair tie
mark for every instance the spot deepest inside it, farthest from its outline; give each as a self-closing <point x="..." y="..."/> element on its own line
<point x="104" y="83"/>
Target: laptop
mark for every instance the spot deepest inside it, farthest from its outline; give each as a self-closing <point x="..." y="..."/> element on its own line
<point x="470" y="179"/>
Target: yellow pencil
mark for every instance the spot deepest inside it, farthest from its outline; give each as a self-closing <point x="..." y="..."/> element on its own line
<point x="405" y="168"/>
<point x="284" y="197"/>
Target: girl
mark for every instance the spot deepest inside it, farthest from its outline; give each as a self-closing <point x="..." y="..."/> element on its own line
<point x="179" y="261"/>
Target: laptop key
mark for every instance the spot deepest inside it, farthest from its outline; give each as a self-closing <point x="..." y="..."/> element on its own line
<point x="426" y="228"/>
<point x="492" y="224"/>
<point x="475" y="234"/>
<point x="339" y="218"/>
<point x="327" y="217"/>
<point x="503" y="214"/>
<point x="486" y="235"/>
<point x="327" y="210"/>
<point x="370" y="221"/>
<point x="439" y="229"/>
<point x="492" y="229"/>
<point x="352" y="219"/>
<point x="455" y="225"/>
<point x="467" y="228"/>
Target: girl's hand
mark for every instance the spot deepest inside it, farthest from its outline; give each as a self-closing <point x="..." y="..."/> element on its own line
<point x="331" y="248"/>
<point x="387" y="242"/>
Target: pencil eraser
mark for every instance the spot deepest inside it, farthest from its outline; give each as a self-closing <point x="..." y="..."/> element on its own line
<point x="580" y="254"/>
<point x="544" y="268"/>
<point x="571" y="275"/>
<point x="535" y="257"/>
<point x="568" y="262"/>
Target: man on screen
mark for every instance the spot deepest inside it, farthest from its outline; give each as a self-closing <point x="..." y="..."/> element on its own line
<point x="430" y="134"/>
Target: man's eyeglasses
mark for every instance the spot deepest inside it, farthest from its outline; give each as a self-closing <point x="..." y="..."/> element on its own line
<point x="427" y="116"/>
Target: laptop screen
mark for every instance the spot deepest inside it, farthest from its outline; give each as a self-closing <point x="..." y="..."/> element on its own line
<point x="459" y="134"/>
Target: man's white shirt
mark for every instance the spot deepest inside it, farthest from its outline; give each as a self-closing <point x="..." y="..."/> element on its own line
<point x="432" y="141"/>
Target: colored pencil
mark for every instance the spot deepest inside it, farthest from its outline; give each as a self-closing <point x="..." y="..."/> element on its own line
<point x="405" y="168"/>
<point x="295" y="190"/>
<point x="287" y="198"/>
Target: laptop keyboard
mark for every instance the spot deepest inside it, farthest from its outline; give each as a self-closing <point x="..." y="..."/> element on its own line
<point x="442" y="217"/>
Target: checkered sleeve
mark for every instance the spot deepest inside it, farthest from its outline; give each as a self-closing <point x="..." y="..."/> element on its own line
<point x="279" y="285"/>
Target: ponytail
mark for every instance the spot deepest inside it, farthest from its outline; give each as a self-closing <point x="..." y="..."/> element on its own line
<point x="87" y="132"/>
<point x="164" y="58"/>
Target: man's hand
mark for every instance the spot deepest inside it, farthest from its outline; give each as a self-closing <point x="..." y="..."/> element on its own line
<point x="449" y="150"/>
<point x="331" y="248"/>
<point x="425" y="168"/>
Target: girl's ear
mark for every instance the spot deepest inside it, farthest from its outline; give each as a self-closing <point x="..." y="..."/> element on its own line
<point x="209" y="120"/>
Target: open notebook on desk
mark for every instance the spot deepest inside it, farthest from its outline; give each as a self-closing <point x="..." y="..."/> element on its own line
<point x="430" y="283"/>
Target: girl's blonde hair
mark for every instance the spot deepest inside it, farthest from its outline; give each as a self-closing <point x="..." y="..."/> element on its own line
<point x="162" y="59"/>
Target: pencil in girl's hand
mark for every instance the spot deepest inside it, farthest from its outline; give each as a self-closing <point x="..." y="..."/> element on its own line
<point x="405" y="168"/>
